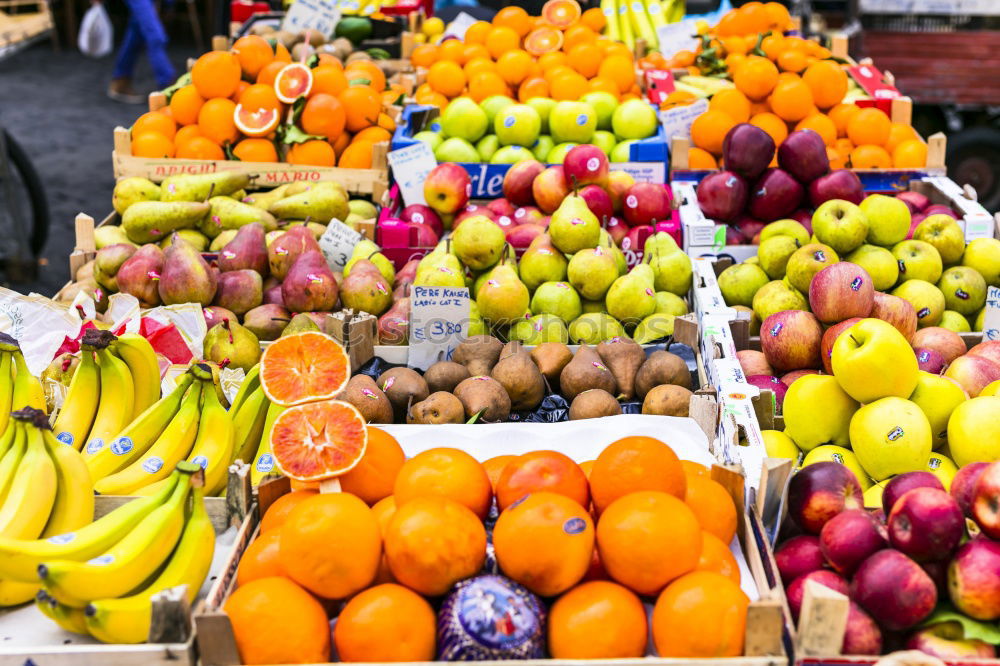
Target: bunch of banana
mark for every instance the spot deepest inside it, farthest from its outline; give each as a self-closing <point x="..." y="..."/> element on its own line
<point x="18" y="387"/>
<point x="628" y="20"/>
<point x="253" y="416"/>
<point x="702" y="86"/>
<point x="189" y="424"/>
<point x="45" y="492"/>
<point x="117" y="379"/>
<point x="143" y="547"/>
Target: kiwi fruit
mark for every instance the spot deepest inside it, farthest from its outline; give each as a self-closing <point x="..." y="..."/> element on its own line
<point x="592" y="404"/>
<point x="520" y="377"/>
<point x="551" y="358"/>
<point x="403" y="387"/>
<point x="362" y="392"/>
<point x="439" y="407"/>
<point x="586" y="371"/>
<point x="478" y="354"/>
<point x="661" y="367"/>
<point x="485" y="396"/>
<point x="623" y="357"/>
<point x="667" y="400"/>
<point x="445" y="376"/>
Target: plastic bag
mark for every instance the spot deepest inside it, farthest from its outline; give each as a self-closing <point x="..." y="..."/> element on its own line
<point x="97" y="35"/>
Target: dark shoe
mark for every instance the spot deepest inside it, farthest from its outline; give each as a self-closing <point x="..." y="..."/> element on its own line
<point x="120" y="90"/>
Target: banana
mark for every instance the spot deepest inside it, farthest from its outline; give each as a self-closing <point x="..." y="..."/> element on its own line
<point x="139" y="435"/>
<point x="140" y="358"/>
<point x="12" y="459"/>
<point x="610" y="10"/>
<point x="6" y="389"/>
<point x="117" y="397"/>
<point x="31" y="496"/>
<point x="263" y="463"/>
<point x="656" y="14"/>
<point x="172" y="446"/>
<point x="19" y="559"/>
<point x="74" y="503"/>
<point x="68" y="618"/>
<point x="213" y="446"/>
<point x="128" y="563"/>
<point x="251" y="382"/>
<point x="13" y="593"/>
<point x="248" y="424"/>
<point x="641" y="24"/>
<point x="27" y="388"/>
<point x="80" y="407"/>
<point x="7" y="440"/>
<point x="127" y="620"/>
<point x="625" y="25"/>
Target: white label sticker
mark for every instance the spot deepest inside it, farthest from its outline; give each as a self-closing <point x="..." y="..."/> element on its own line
<point x="410" y="167"/>
<point x="337" y="243"/>
<point x="991" y="320"/>
<point x="439" y="319"/>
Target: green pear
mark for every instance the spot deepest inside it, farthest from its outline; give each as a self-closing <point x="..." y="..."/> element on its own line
<point x="594" y="328"/>
<point x="322" y="203"/>
<point x="132" y="190"/>
<point x="659" y="243"/>
<point x="503" y="298"/>
<point x="672" y="272"/>
<point x="588" y="307"/>
<point x="196" y="239"/>
<point x="608" y="243"/>
<point x="478" y="242"/>
<point x="540" y="328"/>
<point x="222" y="239"/>
<point x="573" y="227"/>
<point x="541" y="263"/>
<point x="671" y="304"/>
<point x="557" y="298"/>
<point x="110" y="234"/>
<point x="228" y="213"/>
<point x="365" y="209"/>
<point x="263" y="200"/>
<point x="654" y="327"/>
<point x="200" y="187"/>
<point x="150" y="221"/>
<point x="592" y="272"/>
<point x="631" y="297"/>
<point x="476" y="324"/>
<point x="440" y="276"/>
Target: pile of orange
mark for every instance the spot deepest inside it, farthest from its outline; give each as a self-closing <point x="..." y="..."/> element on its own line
<point x="560" y="55"/>
<point x="592" y="538"/>
<point x="341" y="120"/>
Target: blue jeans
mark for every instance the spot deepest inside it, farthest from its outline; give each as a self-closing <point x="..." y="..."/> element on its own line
<point x="144" y="26"/>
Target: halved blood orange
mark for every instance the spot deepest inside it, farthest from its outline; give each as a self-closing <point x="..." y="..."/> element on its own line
<point x="561" y="13"/>
<point x="543" y="40"/>
<point x="259" y="122"/>
<point x="292" y="82"/>
<point x="302" y="368"/>
<point x="318" y="440"/>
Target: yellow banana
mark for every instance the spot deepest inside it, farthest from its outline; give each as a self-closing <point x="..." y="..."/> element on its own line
<point x="13" y="593"/>
<point x="139" y="435"/>
<point x="6" y="389"/>
<point x="250" y="384"/>
<point x="610" y="10"/>
<point x="19" y="558"/>
<point x="80" y="407"/>
<point x="248" y="425"/>
<point x="32" y="494"/>
<point x="171" y="447"/>
<point x="656" y="15"/>
<point x="263" y="463"/>
<point x="68" y="618"/>
<point x="11" y="460"/>
<point x="127" y="620"/>
<point x="27" y="388"/>
<point x="117" y="396"/>
<point x="625" y="25"/>
<point x="6" y="442"/>
<point x="128" y="563"/>
<point x="140" y="358"/>
<point x="213" y="446"/>
<point x="74" y="503"/>
<point x="641" y="24"/>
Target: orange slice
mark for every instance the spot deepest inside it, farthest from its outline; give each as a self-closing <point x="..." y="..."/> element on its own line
<point x="561" y="13"/>
<point x="542" y="41"/>
<point x="255" y="123"/>
<point x="318" y="440"/>
<point x="292" y="82"/>
<point x="302" y="368"/>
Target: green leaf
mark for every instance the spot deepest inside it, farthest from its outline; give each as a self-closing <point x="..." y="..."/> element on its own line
<point x="972" y="629"/>
<point x="183" y="80"/>
<point x="359" y="82"/>
<point x="289" y="133"/>
<point x="475" y="417"/>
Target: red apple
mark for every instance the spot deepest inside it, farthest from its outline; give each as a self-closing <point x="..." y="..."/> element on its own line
<point x="841" y="291"/>
<point x="422" y="235"/>
<point x="803" y="155"/>
<point x="798" y="556"/>
<point x="723" y="195"/>
<point x="830" y="336"/>
<point x="617" y="229"/>
<point x="818" y="492"/>
<point x="790" y="340"/>
<point x="986" y="500"/>
<point x="517" y="183"/>
<point x="796" y="590"/>
<point x="646" y="203"/>
<point x="989" y="349"/>
<point x="774" y="195"/>
<point x="747" y="150"/>
<point x="947" y="342"/>
<point x="502" y="207"/>
<point x="771" y="383"/>
<point x="521" y="235"/>
<point x="941" y="209"/>
<point x="938" y="571"/>
<point x="472" y="210"/>
<point x="862" y="635"/>
<point x="946" y="640"/>
<point x="930" y="360"/>
<point x="527" y="215"/>
<point x="447" y="188"/>
<point x="748" y="226"/>
<point x="974" y="373"/>
<point x="926" y="524"/>
<point x="586" y="164"/>
<point x="896" y="311"/>
<point x="974" y="579"/>
<point x="963" y="486"/>
<point x="422" y="214"/>
<point x="618" y="184"/>
<point x="838" y="184"/>
<point x="915" y="221"/>
<point x="894" y="590"/>
<point x="549" y="188"/>
<point x="915" y="201"/>
<point x="790" y="377"/>
<point x="803" y="217"/>
<point x="598" y="201"/>
<point x="754" y="363"/>
<point x="735" y="237"/>
<point x="903" y="483"/>
<point x="849" y="538"/>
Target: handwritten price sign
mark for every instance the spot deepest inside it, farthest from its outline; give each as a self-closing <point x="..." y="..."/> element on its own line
<point x="439" y="319"/>
<point x="991" y="321"/>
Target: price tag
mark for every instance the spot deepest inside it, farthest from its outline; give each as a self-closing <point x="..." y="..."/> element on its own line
<point x="679" y="36"/>
<point x="439" y="319"/>
<point x="991" y="321"/>
<point x="319" y="15"/>
<point x="410" y="167"/>
<point x="872" y="81"/>
<point x="458" y="27"/>
<point x="337" y="243"/>
<point x="677" y="121"/>
<point x="643" y="172"/>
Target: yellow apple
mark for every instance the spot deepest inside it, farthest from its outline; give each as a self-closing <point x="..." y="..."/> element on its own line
<point x="817" y="411"/>
<point x="974" y="431"/>
<point x="891" y="436"/>
<point x="779" y="445"/>
<point x="873" y="496"/>
<point x="838" y="454"/>
<point x="943" y="468"/>
<point x="873" y="360"/>
<point x="937" y="396"/>
<point x="991" y="389"/>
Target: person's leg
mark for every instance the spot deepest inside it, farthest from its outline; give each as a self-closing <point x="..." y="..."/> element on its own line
<point x="121" y="83"/>
<point x="156" y="40"/>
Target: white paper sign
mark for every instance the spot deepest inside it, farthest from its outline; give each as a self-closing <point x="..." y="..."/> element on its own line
<point x="643" y="172"/>
<point x="38" y="324"/>
<point x="991" y="321"/>
<point x="461" y="23"/>
<point x="439" y="319"/>
<point x="677" y="121"/>
<point x="675" y="37"/>
<point x="319" y="15"/>
<point x="337" y="243"/>
<point x="410" y="167"/>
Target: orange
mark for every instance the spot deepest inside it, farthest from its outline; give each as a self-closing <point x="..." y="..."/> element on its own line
<point x="216" y="120"/>
<point x="318" y="440"/>
<point x="716" y="556"/>
<point x="828" y="82"/>
<point x="477" y="65"/>
<point x="569" y="86"/>
<point x="269" y="72"/>
<point x="277" y="622"/>
<point x="604" y="85"/>
<point x="791" y="100"/>
<point x="487" y="84"/>
<point x="779" y="18"/>
<point x="260" y="560"/>
<point x="514" y="17"/>
<point x="709" y="130"/>
<point x="869" y="156"/>
<point x="367" y="72"/>
<point x="534" y="87"/>
<point x="372" y="135"/>
<point x="314" y="152"/>
<point x="700" y="615"/>
<point x="331" y="545"/>
<point x="542" y="471"/>
<point x="844" y="147"/>
<point x="328" y="79"/>
<point x="185" y="134"/>
<point x="260" y="96"/>
<point x="477" y="33"/>
<point x="281" y="53"/>
<point x="841" y="114"/>
<point x="618" y="68"/>
<point x="200" y="148"/>
<point x="185" y="104"/>
<point x="444" y="472"/>
<point x="898" y="133"/>
<point x="253" y="53"/>
<point x="910" y="154"/>
<point x="594" y="19"/>
<point x="386" y="623"/>
<point x="447" y="78"/>
<point x="713" y="507"/>
<point x="502" y="39"/>
<point x="635" y="463"/>
<point x="384" y="510"/>
<point x="425" y="55"/>
<point x="341" y="144"/>
<point x="694" y="469"/>
<point x="597" y="620"/>
<point x="756" y="77"/>
<point x="550" y="60"/>
<point x="561" y="13"/>
<point x="553" y="73"/>
<point x="701" y="159"/>
<point x="545" y="542"/>
<point x="432" y="98"/>
<point x="329" y="59"/>
<point x="323" y="115"/>
<point x="514" y="66"/>
<point x="373" y="477"/>
<point x="277" y="513"/>
<point x="155" y="121"/>
<point x="152" y="144"/>
<point x="792" y="60"/>
<point x="733" y="103"/>
<point x="773" y="46"/>
<point x="869" y="125"/>
<point x="576" y="35"/>
<point x="494" y="468"/>
<point x="216" y="74"/>
<point x="256" y="150"/>
<point x="837" y="161"/>
<point x="431" y="543"/>
<point x="683" y="58"/>
<point x="358" y="155"/>
<point x="647" y="539"/>
<point x="452" y="50"/>
<point x="822" y="125"/>
<point x="735" y="45"/>
<point x="303" y="367"/>
<point x="586" y="59"/>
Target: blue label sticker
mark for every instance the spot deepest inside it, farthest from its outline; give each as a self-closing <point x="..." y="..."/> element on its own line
<point x="574" y="525"/>
<point x="923" y="312"/>
<point x="60" y="539"/>
<point x="121" y="446"/>
<point x="101" y="560"/>
<point x="153" y="464"/>
<point x="923" y="356"/>
<point x="776" y="329"/>
<point x="856" y="283"/>
<point x="961" y="293"/>
<point x="508" y="121"/>
<point x="819" y="255"/>
<point x="582" y="119"/>
<point x="65" y="438"/>
<point x="95" y="445"/>
<point x="265" y="463"/>
<point x="902" y="266"/>
<point x="200" y="460"/>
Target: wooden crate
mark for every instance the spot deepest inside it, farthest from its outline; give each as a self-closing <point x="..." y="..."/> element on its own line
<point x="22" y="22"/>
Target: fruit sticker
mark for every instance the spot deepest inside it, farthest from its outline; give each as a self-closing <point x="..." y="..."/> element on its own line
<point x="776" y="329"/>
<point x="574" y="526"/>
<point x="265" y="463"/>
<point x="201" y="461"/>
<point x="95" y="445"/>
<point x="62" y="539"/>
<point x="856" y="283"/>
<point x="65" y="438"/>
<point x="153" y="464"/>
<point x="121" y="446"/>
<point x="895" y="434"/>
<point x="101" y="560"/>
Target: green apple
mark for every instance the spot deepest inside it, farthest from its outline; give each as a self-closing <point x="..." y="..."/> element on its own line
<point x="974" y="431"/>
<point x="606" y="141"/>
<point x="807" y="424"/>
<point x="543" y="146"/>
<point x="779" y="445"/>
<point x="621" y="153"/>
<point x="572" y="121"/>
<point x="668" y="303"/>
<point x="456" y="150"/>
<point x="775" y="296"/>
<point x="740" y="282"/>
<point x="918" y="260"/>
<point x="487" y="147"/>
<point x="432" y="139"/>
<point x="634" y="119"/>
<point x="873" y="360"/>
<point x="511" y="155"/>
<point x="926" y="299"/>
<point x="980" y="320"/>
<point x="558" y="152"/>
<point x="544" y="106"/>
<point x="838" y="454"/>
<point x="840" y="224"/>
<point x="954" y="321"/>
<point x="943" y="467"/>
<point x="983" y="254"/>
<point x="604" y="104"/>
<point x="888" y="219"/>
<point x="806" y="262"/>
<point x="890" y="436"/>
<point x="464" y="119"/>
<point x="773" y="254"/>
<point x="944" y="233"/>
<point x="517" y="125"/>
<point x="494" y="104"/>
<point x="557" y="298"/>
<point x="964" y="289"/>
<point x="879" y="264"/>
<point x="938" y="397"/>
<point x="791" y="228"/>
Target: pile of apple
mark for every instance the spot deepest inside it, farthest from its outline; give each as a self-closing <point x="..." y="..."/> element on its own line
<point x="914" y="577"/>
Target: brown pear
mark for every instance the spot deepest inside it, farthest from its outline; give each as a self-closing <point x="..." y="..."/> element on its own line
<point x="661" y="367"/>
<point x="239" y="291"/>
<point x="247" y="250"/>
<point x="551" y="358"/>
<point x="267" y="321"/>
<point x="445" y="376"/>
<point x="140" y="275"/>
<point x="283" y="252"/>
<point x="186" y="276"/>
<point x="586" y="371"/>
<point x="624" y="357"/>
<point x="394" y="325"/>
<point x="439" y="407"/>
<point x="403" y="387"/>
<point x="478" y="354"/>
<point x="365" y="289"/>
<point x="520" y="377"/>
<point x="484" y="396"/>
<point x="592" y="404"/>
<point x="362" y="392"/>
<point x="667" y="400"/>
<point x="309" y="285"/>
